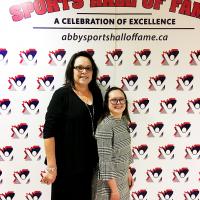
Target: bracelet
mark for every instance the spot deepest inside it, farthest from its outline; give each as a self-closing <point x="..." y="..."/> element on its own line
<point x="51" y="169"/>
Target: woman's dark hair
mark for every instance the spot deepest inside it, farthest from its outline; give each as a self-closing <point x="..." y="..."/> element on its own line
<point x="106" y="111"/>
<point x="69" y="74"/>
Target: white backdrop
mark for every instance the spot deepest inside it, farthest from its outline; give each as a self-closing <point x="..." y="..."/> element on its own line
<point x="157" y="65"/>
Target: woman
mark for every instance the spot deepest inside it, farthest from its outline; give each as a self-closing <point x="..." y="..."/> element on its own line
<point x="70" y="123"/>
<point x="113" y="141"/>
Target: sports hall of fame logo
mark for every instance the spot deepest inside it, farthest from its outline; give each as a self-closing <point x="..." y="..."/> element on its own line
<point x="114" y="58"/>
<point x="32" y="153"/>
<point x="7" y="195"/>
<point x="36" y="195"/>
<point x="185" y="82"/>
<point x="166" y="195"/>
<point x="21" y="176"/>
<point x="3" y="56"/>
<point x="6" y="153"/>
<point x="28" y="57"/>
<point x="168" y="106"/>
<point x="141" y="106"/>
<point x="104" y="81"/>
<point x="154" y="175"/>
<point x="142" y="57"/>
<point x="17" y="83"/>
<point x="139" y="195"/>
<point x="170" y="57"/>
<point x="45" y="83"/>
<point x="5" y="106"/>
<point x="30" y="106"/>
<point x="157" y="83"/>
<point x="182" y="129"/>
<point x="195" y="57"/>
<point x="140" y="152"/>
<point x="57" y="57"/>
<point x="156" y="129"/>
<point x="130" y="83"/>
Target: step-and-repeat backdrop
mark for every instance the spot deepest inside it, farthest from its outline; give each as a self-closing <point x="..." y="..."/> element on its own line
<point x="150" y="48"/>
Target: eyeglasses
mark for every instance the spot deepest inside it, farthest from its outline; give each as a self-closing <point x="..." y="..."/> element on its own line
<point x="120" y="100"/>
<point x="81" y="68"/>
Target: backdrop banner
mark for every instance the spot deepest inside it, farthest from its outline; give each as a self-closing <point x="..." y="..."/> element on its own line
<point x="150" y="48"/>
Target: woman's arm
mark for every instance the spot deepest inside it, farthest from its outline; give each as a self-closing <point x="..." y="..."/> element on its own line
<point x="51" y="171"/>
<point x="49" y="146"/>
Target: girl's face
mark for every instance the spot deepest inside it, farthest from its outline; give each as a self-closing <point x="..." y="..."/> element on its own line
<point x="82" y="71"/>
<point x="116" y="103"/>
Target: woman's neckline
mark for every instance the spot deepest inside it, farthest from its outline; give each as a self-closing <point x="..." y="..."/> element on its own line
<point x="84" y="99"/>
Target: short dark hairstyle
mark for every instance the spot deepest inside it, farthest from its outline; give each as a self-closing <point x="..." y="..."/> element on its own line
<point x="106" y="111"/>
<point x="69" y="74"/>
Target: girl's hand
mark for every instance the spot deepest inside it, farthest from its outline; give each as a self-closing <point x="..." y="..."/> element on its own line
<point x="130" y="179"/>
<point x="115" y="195"/>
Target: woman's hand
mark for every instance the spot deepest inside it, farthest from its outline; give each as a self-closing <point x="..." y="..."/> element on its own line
<point x="49" y="176"/>
<point x="130" y="179"/>
<point x="115" y="195"/>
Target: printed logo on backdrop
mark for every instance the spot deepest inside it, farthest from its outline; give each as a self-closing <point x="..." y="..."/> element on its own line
<point x="17" y="83"/>
<point x="129" y="83"/>
<point x="8" y="195"/>
<point x="32" y="153"/>
<point x="166" y="195"/>
<point x="170" y="57"/>
<point x="195" y="57"/>
<point x="21" y="177"/>
<point x="133" y="172"/>
<point x="181" y="175"/>
<point x="154" y="175"/>
<point x="33" y="195"/>
<point x="140" y="195"/>
<point x="45" y="83"/>
<point x="5" y="107"/>
<point x="30" y="106"/>
<point x="192" y="195"/>
<point x="141" y="106"/>
<point x="6" y="153"/>
<point x="182" y="129"/>
<point x="140" y="152"/>
<point x="1" y="179"/>
<point x="133" y="129"/>
<point x="166" y="152"/>
<point x="155" y="129"/>
<point x="41" y="128"/>
<point x="28" y="57"/>
<point x="185" y="82"/>
<point x="168" y="106"/>
<point x="3" y="56"/>
<point x="142" y="57"/>
<point x="58" y="57"/>
<point x="157" y="83"/>
<point x="19" y="131"/>
<point x="193" y="152"/>
<point x="90" y="51"/>
<point x="104" y="81"/>
<point x="193" y="106"/>
<point x="114" y="58"/>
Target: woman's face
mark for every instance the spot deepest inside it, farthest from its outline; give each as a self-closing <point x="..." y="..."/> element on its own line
<point x="82" y="71"/>
<point x="116" y="103"/>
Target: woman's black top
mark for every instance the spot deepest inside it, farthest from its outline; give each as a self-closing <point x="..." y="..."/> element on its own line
<point x="68" y="120"/>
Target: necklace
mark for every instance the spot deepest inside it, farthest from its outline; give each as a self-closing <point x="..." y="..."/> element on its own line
<point x="91" y="116"/>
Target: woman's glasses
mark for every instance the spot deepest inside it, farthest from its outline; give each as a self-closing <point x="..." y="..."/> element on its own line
<point x="81" y="68"/>
<point x="115" y="101"/>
